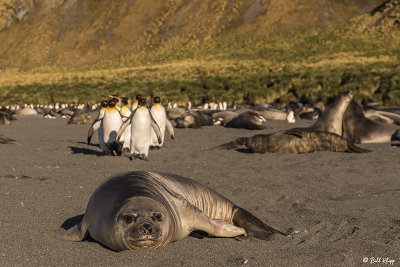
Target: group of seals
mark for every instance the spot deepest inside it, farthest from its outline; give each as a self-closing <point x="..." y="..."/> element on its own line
<point x="142" y="210"/>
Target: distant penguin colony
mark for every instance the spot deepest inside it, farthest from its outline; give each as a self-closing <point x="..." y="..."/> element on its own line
<point x="133" y="128"/>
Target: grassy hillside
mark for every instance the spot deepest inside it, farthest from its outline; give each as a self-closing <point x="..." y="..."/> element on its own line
<point x="247" y="51"/>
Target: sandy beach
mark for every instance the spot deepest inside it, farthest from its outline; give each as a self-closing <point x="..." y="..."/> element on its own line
<point x="343" y="207"/>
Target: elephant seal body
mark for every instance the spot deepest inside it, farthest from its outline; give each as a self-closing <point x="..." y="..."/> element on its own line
<point x="331" y="119"/>
<point x="250" y="120"/>
<point x="194" y="119"/>
<point x="360" y="129"/>
<point x="294" y="141"/>
<point x="149" y="210"/>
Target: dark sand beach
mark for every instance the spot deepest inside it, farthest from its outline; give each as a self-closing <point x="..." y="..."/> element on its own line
<point x="343" y="207"/>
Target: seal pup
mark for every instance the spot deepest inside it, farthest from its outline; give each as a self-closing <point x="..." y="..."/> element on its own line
<point x="97" y="122"/>
<point x="194" y="119"/>
<point x="110" y="124"/>
<point x="251" y="120"/>
<point x="5" y="140"/>
<point x="362" y="130"/>
<point x="373" y="115"/>
<point x="147" y="210"/>
<point x="223" y="117"/>
<point x="80" y="117"/>
<point x="331" y="119"/>
<point x="175" y="113"/>
<point x="294" y="141"/>
<point x="141" y="122"/>
<point x="388" y="117"/>
<point x="160" y="117"/>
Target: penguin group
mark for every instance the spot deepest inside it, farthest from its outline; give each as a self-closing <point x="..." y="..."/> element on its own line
<point x="125" y="127"/>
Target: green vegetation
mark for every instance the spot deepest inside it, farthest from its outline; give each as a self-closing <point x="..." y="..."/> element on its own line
<point x="361" y="54"/>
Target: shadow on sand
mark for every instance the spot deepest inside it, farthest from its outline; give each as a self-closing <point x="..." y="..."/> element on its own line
<point x="86" y="151"/>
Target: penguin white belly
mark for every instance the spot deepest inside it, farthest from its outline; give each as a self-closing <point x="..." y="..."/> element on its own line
<point x="126" y="136"/>
<point x="159" y="116"/>
<point x="111" y="123"/>
<point x="101" y="137"/>
<point x="141" y="132"/>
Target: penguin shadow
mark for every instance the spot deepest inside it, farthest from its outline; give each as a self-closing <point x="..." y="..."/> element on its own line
<point x="86" y="151"/>
<point x="397" y="144"/>
<point x="84" y="143"/>
<point x="69" y="223"/>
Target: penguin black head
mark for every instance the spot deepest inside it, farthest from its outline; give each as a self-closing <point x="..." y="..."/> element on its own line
<point x="138" y="97"/>
<point x="125" y="100"/>
<point x="157" y="99"/>
<point x="111" y="103"/>
<point x="142" y="101"/>
<point x="104" y="103"/>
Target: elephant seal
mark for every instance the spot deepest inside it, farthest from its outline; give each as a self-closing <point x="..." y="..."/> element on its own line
<point x="331" y="119"/>
<point x="360" y="129"/>
<point x="251" y="120"/>
<point x="194" y="119"/>
<point x="5" y="140"/>
<point x="224" y="117"/>
<point x="294" y="141"/>
<point x="80" y="117"/>
<point x="142" y="209"/>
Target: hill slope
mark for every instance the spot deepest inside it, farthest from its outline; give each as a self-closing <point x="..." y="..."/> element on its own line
<point x="81" y="32"/>
<point x="243" y="51"/>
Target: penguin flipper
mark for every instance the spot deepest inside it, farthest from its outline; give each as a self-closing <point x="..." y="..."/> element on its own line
<point x="124" y="125"/>
<point x="170" y="128"/>
<point x="94" y="127"/>
<point x="156" y="128"/>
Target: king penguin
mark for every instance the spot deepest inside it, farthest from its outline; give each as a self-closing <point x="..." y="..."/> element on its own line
<point x="97" y="122"/>
<point x="136" y="103"/>
<point x="160" y="116"/>
<point x="141" y="122"/>
<point x="110" y="124"/>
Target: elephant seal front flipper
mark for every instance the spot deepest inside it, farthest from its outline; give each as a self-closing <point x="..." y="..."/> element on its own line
<point x="78" y="232"/>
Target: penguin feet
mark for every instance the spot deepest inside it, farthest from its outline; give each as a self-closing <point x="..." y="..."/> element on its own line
<point x="107" y="152"/>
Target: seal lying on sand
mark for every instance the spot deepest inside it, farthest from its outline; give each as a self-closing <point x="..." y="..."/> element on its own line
<point x="194" y="119"/>
<point x="360" y="129"/>
<point x="251" y="120"/>
<point x="294" y="141"/>
<point x="144" y="209"/>
<point x="5" y="140"/>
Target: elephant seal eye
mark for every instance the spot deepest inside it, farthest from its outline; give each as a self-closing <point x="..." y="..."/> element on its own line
<point x="156" y="217"/>
<point x="129" y="218"/>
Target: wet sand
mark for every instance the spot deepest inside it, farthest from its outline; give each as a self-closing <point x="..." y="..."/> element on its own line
<point x="344" y="208"/>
